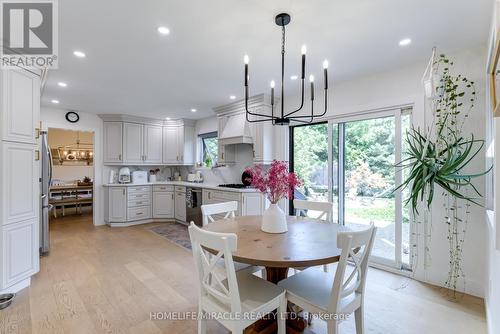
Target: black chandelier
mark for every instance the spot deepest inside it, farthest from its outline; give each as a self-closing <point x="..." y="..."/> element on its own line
<point x="285" y="118"/>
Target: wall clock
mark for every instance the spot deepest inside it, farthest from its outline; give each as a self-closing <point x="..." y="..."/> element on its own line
<point x="72" y="117"/>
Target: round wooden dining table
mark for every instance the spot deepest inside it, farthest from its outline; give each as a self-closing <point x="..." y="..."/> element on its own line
<point x="308" y="242"/>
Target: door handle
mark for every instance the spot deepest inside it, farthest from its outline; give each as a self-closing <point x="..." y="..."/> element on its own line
<point x="37" y="133"/>
<point x="37" y="155"/>
<point x="120" y="157"/>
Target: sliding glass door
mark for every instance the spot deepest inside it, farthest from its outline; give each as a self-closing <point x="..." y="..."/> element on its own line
<point x="350" y="162"/>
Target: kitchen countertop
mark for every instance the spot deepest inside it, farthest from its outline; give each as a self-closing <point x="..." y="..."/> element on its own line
<point x="184" y="184"/>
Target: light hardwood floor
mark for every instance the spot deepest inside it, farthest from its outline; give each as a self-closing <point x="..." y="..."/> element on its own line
<point x="109" y="280"/>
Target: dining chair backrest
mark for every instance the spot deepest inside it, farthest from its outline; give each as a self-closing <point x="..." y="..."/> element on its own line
<point x="208" y="211"/>
<point x="212" y="284"/>
<point x="325" y="208"/>
<point x="350" y="276"/>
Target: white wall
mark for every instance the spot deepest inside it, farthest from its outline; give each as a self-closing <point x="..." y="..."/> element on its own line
<point x="492" y="281"/>
<point x="402" y="87"/>
<point x="55" y="118"/>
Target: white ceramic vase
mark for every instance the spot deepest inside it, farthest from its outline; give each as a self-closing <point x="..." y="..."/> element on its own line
<point x="274" y="220"/>
<point x="152" y="178"/>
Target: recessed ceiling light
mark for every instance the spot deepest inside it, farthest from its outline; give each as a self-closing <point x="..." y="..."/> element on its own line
<point x="167" y="118"/>
<point x="294" y="77"/>
<point x="232" y="97"/>
<point x="79" y="54"/>
<point x="163" y="30"/>
<point x="62" y="84"/>
<point x="55" y="101"/>
<point x="193" y="110"/>
<point x="405" y="42"/>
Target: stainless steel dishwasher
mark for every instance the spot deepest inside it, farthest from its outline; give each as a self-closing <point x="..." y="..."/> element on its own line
<point x="193" y="206"/>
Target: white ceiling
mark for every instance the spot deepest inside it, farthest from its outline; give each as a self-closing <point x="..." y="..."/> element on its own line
<point x="132" y="69"/>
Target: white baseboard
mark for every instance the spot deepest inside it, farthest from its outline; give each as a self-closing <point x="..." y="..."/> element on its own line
<point x="18" y="286"/>
<point x="140" y="222"/>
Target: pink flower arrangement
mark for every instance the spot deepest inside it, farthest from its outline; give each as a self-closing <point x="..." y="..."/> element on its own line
<point x="276" y="182"/>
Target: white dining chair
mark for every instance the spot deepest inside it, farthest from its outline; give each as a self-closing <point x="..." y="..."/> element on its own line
<point x="242" y="298"/>
<point x="326" y="213"/>
<point x="325" y="208"/>
<point x="208" y="211"/>
<point x="226" y="210"/>
<point x="335" y="297"/>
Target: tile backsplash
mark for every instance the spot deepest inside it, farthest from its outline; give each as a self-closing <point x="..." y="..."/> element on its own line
<point x="227" y="174"/>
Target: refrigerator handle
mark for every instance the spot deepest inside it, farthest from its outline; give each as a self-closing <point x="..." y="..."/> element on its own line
<point x="50" y="166"/>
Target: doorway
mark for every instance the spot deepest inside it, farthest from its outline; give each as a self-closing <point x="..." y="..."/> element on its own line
<point x="71" y="188"/>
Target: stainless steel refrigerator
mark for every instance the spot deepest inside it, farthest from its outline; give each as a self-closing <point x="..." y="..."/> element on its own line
<point x="45" y="179"/>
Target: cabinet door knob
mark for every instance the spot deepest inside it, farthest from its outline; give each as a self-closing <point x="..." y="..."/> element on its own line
<point x="119" y="157"/>
<point x="37" y="133"/>
<point x="37" y="155"/>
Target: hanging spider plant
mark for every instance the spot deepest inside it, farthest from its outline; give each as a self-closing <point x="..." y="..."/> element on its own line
<point x="430" y="166"/>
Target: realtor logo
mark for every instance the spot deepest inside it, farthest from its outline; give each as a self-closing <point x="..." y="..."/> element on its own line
<point x="29" y="33"/>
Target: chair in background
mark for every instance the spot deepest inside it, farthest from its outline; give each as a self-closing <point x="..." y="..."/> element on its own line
<point x="325" y="208"/>
<point x="210" y="210"/>
<point x="226" y="210"/>
<point x="336" y="296"/>
<point x="244" y="296"/>
<point x="326" y="213"/>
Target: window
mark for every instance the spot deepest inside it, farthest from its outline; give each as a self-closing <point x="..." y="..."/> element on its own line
<point x="350" y="162"/>
<point x="209" y="149"/>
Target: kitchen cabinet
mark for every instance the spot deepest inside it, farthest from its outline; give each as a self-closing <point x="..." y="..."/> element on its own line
<point x="178" y="145"/>
<point x="252" y="204"/>
<point x="153" y="144"/>
<point x="163" y="202"/>
<point x="19" y="178"/>
<point x="20" y="245"/>
<point x="180" y="203"/>
<point x="20" y="96"/>
<point x="115" y="204"/>
<point x="227" y="153"/>
<point x="170" y="145"/>
<point x="20" y="185"/>
<point x="262" y="134"/>
<point x="137" y="141"/>
<point x="133" y="143"/>
<point x="113" y="142"/>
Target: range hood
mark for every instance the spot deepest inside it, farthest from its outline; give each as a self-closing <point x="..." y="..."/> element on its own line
<point x="236" y="131"/>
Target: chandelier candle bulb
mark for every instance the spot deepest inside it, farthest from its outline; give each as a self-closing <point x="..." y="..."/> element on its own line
<point x="303" y="50"/>
<point x="311" y="79"/>
<point x="245" y="59"/>
<point x="325" y="70"/>
<point x="272" y="92"/>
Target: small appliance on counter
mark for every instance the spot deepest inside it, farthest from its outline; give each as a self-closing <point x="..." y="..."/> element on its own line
<point x="124" y="175"/>
<point x="191" y="177"/>
<point x="139" y="176"/>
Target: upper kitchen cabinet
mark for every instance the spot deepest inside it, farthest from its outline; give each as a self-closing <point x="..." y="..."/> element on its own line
<point x="113" y="142"/>
<point x="179" y="143"/>
<point x="235" y="129"/>
<point x="153" y="144"/>
<point x="141" y="141"/>
<point x="20" y="96"/>
<point x="133" y="143"/>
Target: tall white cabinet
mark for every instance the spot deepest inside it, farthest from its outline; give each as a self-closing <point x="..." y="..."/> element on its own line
<point x="19" y="178"/>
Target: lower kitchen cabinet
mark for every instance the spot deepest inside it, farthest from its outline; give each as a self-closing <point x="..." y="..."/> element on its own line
<point x="252" y="204"/>
<point x="163" y="204"/>
<point x="20" y="252"/>
<point x="115" y="206"/>
<point x="180" y="204"/>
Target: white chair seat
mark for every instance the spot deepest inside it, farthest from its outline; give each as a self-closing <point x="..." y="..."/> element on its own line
<point x="255" y="292"/>
<point x="314" y="286"/>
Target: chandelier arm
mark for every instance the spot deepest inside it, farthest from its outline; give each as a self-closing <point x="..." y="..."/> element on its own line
<point x="301" y="103"/>
<point x="318" y="115"/>
<point x="252" y="113"/>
